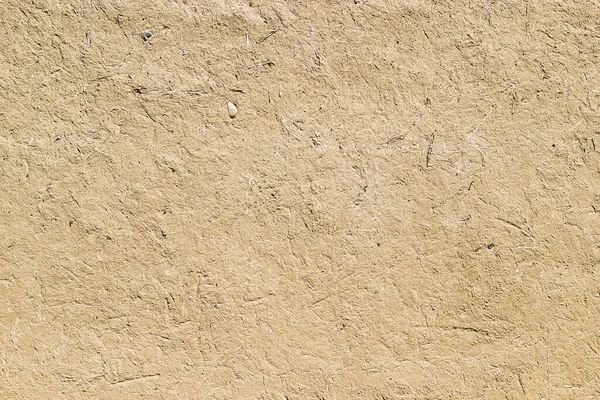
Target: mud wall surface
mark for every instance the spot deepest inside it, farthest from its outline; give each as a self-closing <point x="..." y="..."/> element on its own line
<point x="404" y="203"/>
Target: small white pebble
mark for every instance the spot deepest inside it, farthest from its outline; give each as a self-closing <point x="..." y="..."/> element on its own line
<point x="232" y="110"/>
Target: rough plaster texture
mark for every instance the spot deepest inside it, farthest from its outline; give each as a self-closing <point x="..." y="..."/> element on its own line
<point x="406" y="205"/>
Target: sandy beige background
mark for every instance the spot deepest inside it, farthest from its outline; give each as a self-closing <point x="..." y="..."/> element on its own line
<point x="406" y="205"/>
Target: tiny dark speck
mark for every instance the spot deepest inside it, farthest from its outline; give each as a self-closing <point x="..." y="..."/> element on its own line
<point x="147" y="34"/>
<point x="378" y="244"/>
<point x="490" y="246"/>
<point x="163" y="233"/>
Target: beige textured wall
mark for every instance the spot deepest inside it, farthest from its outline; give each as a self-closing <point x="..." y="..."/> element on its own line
<point x="406" y="205"/>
